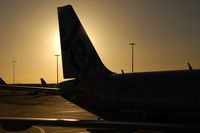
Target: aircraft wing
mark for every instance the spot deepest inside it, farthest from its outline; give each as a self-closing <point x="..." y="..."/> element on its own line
<point x="30" y="88"/>
<point x="12" y="123"/>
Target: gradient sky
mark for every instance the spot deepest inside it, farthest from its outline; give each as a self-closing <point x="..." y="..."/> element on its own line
<point x="166" y="33"/>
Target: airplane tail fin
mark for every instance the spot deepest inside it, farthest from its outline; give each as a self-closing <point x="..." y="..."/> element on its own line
<point x="43" y="83"/>
<point x="2" y="82"/>
<point x="79" y="57"/>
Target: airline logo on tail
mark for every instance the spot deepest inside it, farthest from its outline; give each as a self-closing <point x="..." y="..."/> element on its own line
<point x="78" y="54"/>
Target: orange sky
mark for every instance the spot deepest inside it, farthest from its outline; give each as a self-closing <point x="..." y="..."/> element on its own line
<point x="166" y="34"/>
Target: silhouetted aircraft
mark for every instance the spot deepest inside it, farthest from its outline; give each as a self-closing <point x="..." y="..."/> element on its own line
<point x="2" y="82"/>
<point x="164" y="100"/>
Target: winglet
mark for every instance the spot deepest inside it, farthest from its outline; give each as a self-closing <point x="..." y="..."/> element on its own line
<point x="43" y="83"/>
<point x="2" y="82"/>
<point x="189" y="66"/>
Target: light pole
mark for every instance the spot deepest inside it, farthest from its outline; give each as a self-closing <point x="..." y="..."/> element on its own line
<point x="13" y="71"/>
<point x="57" y="65"/>
<point x="132" y="44"/>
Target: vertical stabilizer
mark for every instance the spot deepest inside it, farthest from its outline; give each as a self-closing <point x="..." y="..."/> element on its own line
<point x="43" y="83"/>
<point x="79" y="57"/>
<point x="2" y="82"/>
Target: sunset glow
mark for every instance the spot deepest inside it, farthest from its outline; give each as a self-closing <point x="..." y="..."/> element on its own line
<point x="166" y="34"/>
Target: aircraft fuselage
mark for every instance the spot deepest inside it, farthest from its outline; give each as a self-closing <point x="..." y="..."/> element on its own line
<point x="170" y="96"/>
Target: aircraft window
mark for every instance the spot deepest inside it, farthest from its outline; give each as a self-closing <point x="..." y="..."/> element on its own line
<point x="139" y="94"/>
<point x="196" y="95"/>
<point x="142" y="94"/>
<point x="152" y="94"/>
<point x="175" y="95"/>
<point x="148" y="94"/>
<point x="193" y="96"/>
<point x="181" y="95"/>
<point x="188" y="95"/>
<point x="136" y="94"/>
<point x="133" y="94"/>
<point x="157" y="94"/>
<point x="163" y="96"/>
<point x="185" y="95"/>
<point x="166" y="94"/>
<point x="171" y="96"/>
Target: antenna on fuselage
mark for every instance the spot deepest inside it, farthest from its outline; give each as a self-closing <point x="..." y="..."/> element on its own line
<point x="189" y="66"/>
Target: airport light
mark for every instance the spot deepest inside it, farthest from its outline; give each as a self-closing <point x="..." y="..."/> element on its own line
<point x="132" y="44"/>
<point x="13" y="71"/>
<point x="57" y="65"/>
